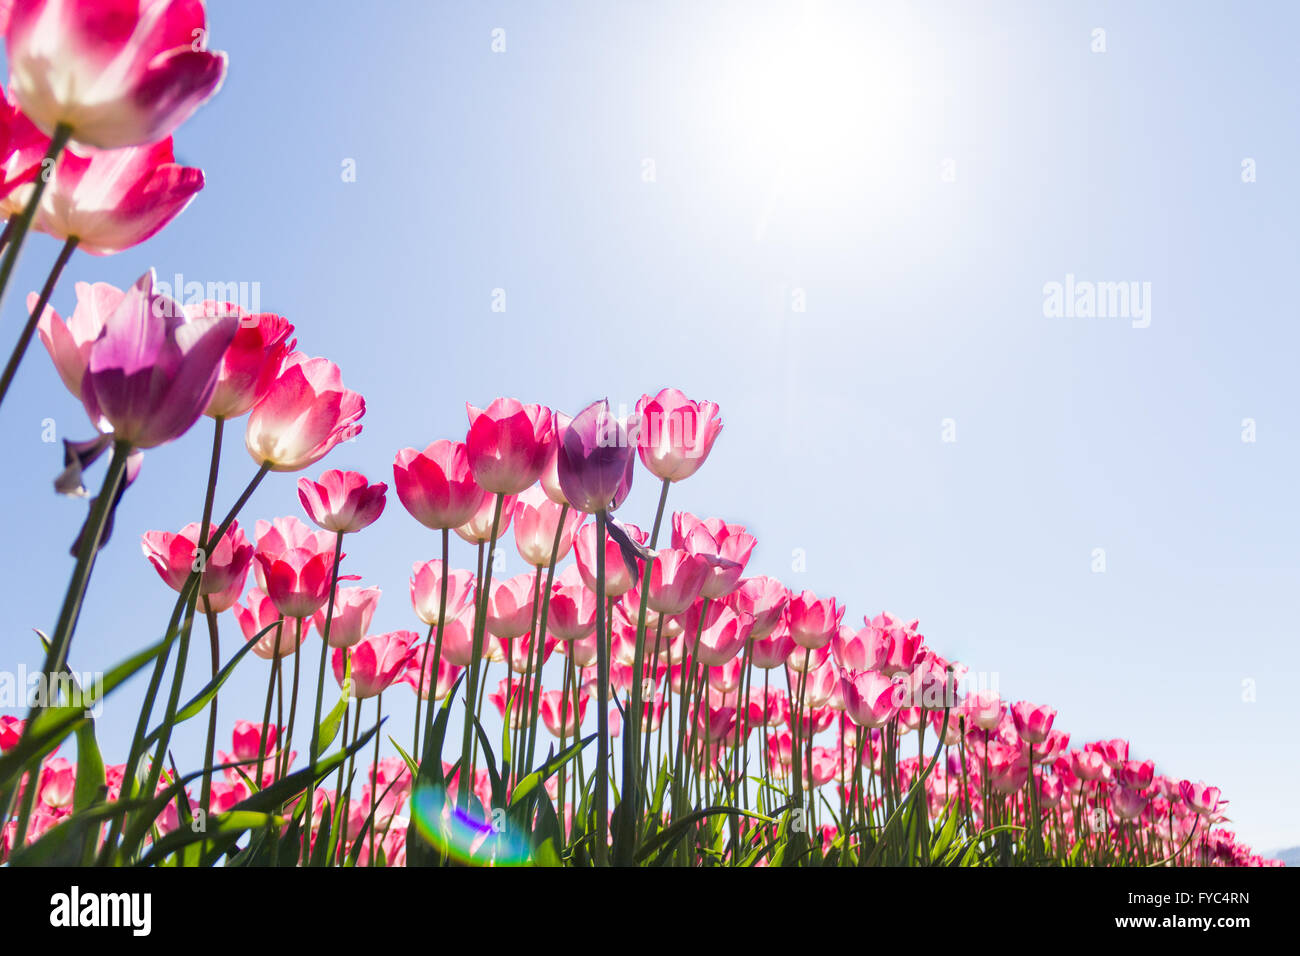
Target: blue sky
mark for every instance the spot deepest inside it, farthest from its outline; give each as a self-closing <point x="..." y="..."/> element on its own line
<point x="853" y="212"/>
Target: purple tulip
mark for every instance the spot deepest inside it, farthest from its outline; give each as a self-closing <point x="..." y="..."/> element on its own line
<point x="151" y="372"/>
<point x="594" y="458"/>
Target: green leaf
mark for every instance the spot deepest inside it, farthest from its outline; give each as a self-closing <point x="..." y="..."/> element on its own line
<point x="231" y="823"/>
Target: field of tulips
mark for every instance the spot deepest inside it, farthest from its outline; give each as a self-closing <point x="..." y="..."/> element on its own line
<point x="632" y="699"/>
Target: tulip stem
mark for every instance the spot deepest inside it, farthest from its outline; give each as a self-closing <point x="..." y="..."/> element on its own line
<point x="541" y="629"/>
<point x="374" y="775"/>
<point x="480" y="624"/>
<point x="25" y="337"/>
<point x="602" y="714"/>
<point x="437" y="650"/>
<point x="214" y="466"/>
<point x="20" y="225"/>
<point x="314" y="753"/>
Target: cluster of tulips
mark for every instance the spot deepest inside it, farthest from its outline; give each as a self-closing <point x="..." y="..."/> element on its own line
<point x="736" y="722"/>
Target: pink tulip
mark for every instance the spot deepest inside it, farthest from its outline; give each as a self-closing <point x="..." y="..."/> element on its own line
<point x="772" y="651"/>
<point x="22" y="147"/>
<point x="537" y="519"/>
<point x="813" y="621"/>
<point x="595" y="461"/>
<point x="557" y="712"/>
<point x="342" y="501"/>
<point x="675" y="434"/>
<point x="719" y="636"/>
<point x="419" y="671"/>
<point x="1114" y="752"/>
<point x="1033" y="721"/>
<point x="904" y="650"/>
<point x="377" y="661"/>
<point x="285" y="534"/>
<point x="1201" y="798"/>
<point x="549" y="479"/>
<point x="354" y="608"/>
<point x="870" y="698"/>
<point x="436" y="485"/>
<point x="304" y="414"/>
<point x="458" y="639"/>
<point x="297" y="580"/>
<point x="508" y="443"/>
<point x="150" y="373"/>
<point x="765" y="599"/>
<point x="619" y="579"/>
<point x="523" y="656"/>
<point x="515" y="697"/>
<point x="426" y="591"/>
<point x="677" y="578"/>
<point x="478" y="529"/>
<point x="175" y="556"/>
<point x="510" y="607"/>
<point x="246" y="740"/>
<point x="261" y="612"/>
<point x="572" y="614"/>
<point x="58" y="778"/>
<point x="113" y="200"/>
<point x="1087" y="764"/>
<point x="983" y="709"/>
<point x="726" y="548"/>
<point x="69" y="343"/>
<point x="11" y="731"/>
<point x="1137" y="774"/>
<point x="251" y="364"/>
<point x="118" y="72"/>
<point x="1127" y="804"/>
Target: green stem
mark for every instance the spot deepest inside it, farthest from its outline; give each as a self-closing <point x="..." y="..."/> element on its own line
<point x="25" y="337"/>
<point x="62" y="133"/>
<point x="471" y="689"/>
<point x="602" y="693"/>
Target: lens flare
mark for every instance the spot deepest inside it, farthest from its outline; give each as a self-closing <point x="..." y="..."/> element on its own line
<point x="464" y="836"/>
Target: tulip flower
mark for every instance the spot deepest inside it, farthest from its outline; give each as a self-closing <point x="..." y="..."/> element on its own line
<point x="69" y="342"/>
<point x="726" y="547"/>
<point x="251" y="364"/>
<point x="304" y="414"/>
<point x="676" y="580"/>
<point x="175" y="556"/>
<point x="377" y="661"/>
<point x="116" y="72"/>
<point x="285" y="534"/>
<point x="297" y="580"/>
<point x="870" y="698"/>
<point x="508" y="443"/>
<point x="1114" y="752"/>
<point x="763" y="598"/>
<point x="354" y="608"/>
<point x="436" y="485"/>
<point x="113" y="200"/>
<point x="1087" y="764"/>
<point x="1128" y="804"/>
<point x="537" y="519"/>
<point x="1033" y="721"/>
<point x="419" y="670"/>
<point x="572" y="614"/>
<point x="516" y="698"/>
<point x="510" y="607"/>
<point x="1201" y="798"/>
<point x="260" y="613"/>
<point x="813" y="621"/>
<point x="426" y="591"/>
<point x="246" y="740"/>
<point x="557" y="712"/>
<point x="619" y="579"/>
<point x="594" y="460"/>
<point x="22" y="147"/>
<point x="719" y="636"/>
<point x="478" y="529"/>
<point x="150" y="373"/>
<point x="674" y="434"/>
<point x="771" y="651"/>
<point x="1137" y="774"/>
<point x="983" y="709"/>
<point x="342" y="501"/>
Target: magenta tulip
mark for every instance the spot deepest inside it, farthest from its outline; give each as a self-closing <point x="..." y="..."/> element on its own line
<point x="1033" y="721"/>
<point x="118" y="72"/>
<point x="113" y="200"/>
<point x="304" y="414"/>
<point x="175" y="556"/>
<point x="508" y="443"/>
<point x="675" y="434"/>
<point x="436" y="485"/>
<point x="536" y="520"/>
<point x="426" y="591"/>
<point x="297" y="580"/>
<point x="354" y="608"/>
<point x="377" y="661"/>
<point x="251" y="364"/>
<point x="342" y="501"/>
